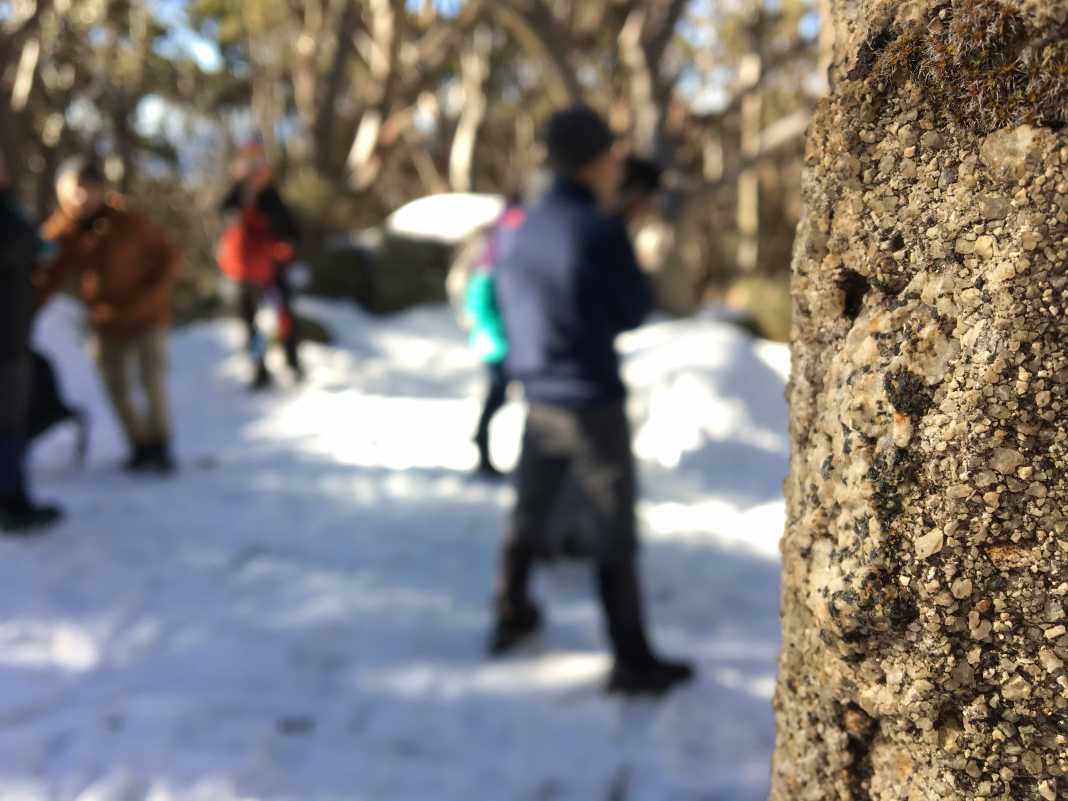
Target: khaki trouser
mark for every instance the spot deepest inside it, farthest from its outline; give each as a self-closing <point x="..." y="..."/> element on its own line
<point x="115" y="355"/>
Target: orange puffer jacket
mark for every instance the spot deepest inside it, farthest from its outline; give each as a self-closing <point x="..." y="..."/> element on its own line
<point x="248" y="251"/>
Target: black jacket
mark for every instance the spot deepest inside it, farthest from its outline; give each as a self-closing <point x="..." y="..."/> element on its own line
<point x="269" y="202"/>
<point x="19" y="248"/>
<point x="567" y="286"/>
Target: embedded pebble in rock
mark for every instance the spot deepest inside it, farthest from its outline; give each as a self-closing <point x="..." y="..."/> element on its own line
<point x="1011" y="155"/>
<point x="925" y="562"/>
<point x="929" y="544"/>
<point x="1016" y="689"/>
<point x="995" y="207"/>
<point x="1050" y="661"/>
<point x="984" y="247"/>
<point x="931" y="141"/>
<point x="1006" y="460"/>
<point x="962" y="588"/>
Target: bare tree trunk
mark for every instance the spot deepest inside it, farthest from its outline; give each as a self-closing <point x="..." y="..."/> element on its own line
<point x="310" y="19"/>
<point x="267" y="107"/>
<point x="643" y="43"/>
<point x="16" y="26"/>
<point x="122" y="162"/>
<point x="476" y="69"/>
<point x="19" y="42"/>
<point x="826" y="42"/>
<point x="433" y="181"/>
<point x="647" y="111"/>
<point x="334" y="85"/>
<point x="380" y="51"/>
<point x="926" y="551"/>
<point x="748" y="217"/>
<point x="22" y="86"/>
<point x="10" y="146"/>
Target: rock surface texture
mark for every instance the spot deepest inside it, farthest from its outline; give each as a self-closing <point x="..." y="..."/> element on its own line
<point x="925" y="636"/>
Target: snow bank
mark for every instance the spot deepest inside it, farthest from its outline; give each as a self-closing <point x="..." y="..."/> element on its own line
<point x="299" y="615"/>
<point x="449" y="218"/>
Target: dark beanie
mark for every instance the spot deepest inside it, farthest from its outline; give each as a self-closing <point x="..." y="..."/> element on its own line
<point x="86" y="169"/>
<point x="575" y="138"/>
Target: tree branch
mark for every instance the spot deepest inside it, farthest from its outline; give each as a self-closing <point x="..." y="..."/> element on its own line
<point x="771" y="64"/>
<point x="537" y="32"/>
<point x="15" y="31"/>
<point x="772" y="139"/>
<point x="662" y="29"/>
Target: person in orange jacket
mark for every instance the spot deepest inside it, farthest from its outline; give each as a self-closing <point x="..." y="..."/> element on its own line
<point x="127" y="268"/>
<point x="256" y="250"/>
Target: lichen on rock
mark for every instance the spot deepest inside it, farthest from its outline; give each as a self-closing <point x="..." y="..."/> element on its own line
<point x="926" y="554"/>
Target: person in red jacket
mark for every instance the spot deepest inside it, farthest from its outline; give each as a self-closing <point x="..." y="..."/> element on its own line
<point x="256" y="250"/>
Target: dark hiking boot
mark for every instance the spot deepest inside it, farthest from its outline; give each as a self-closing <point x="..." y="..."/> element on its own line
<point x="652" y="678"/>
<point x="19" y="517"/>
<point x="262" y="380"/>
<point x="513" y="627"/>
<point x="487" y="471"/>
<point x="160" y="459"/>
<point x="517" y="616"/>
<point x="292" y="349"/>
<point x="638" y="670"/>
<point x="139" y="459"/>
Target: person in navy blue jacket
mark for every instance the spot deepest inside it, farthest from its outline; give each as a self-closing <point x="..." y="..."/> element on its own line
<point x="569" y="285"/>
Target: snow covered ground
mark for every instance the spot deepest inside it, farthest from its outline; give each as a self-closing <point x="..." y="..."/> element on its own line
<point x="300" y="614"/>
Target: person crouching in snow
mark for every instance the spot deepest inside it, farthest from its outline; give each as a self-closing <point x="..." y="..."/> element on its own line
<point x="256" y="249"/>
<point x="488" y="338"/>
<point x="127" y="268"/>
<point x="18" y="258"/>
<point x="568" y="286"/>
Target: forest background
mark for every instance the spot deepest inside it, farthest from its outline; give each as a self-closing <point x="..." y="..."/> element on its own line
<point x="366" y="105"/>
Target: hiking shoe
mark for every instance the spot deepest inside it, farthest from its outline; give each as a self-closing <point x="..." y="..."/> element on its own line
<point x="513" y="627"/>
<point x="262" y="380"/>
<point x="488" y="472"/>
<point x="160" y="459"/>
<point x="20" y="517"/>
<point x="139" y="459"/>
<point x="654" y="678"/>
